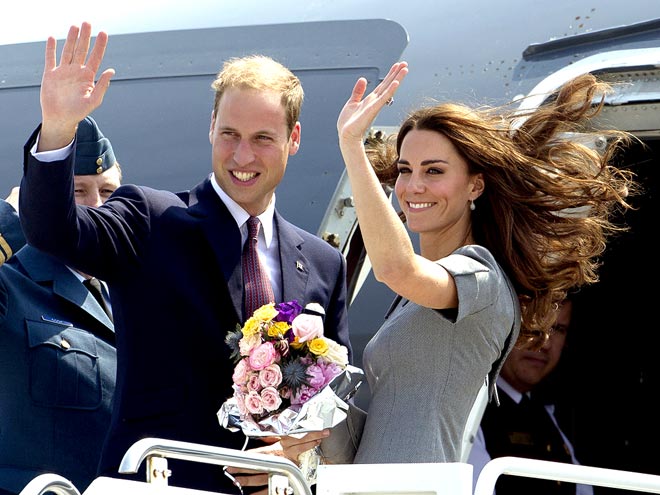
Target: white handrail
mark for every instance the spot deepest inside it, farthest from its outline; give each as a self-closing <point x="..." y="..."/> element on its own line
<point x="572" y="473"/>
<point x="158" y="447"/>
<point x="49" y="483"/>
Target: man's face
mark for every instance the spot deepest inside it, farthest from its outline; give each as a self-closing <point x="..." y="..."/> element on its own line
<point x="94" y="190"/>
<point x="251" y="146"/>
<point x="525" y="369"/>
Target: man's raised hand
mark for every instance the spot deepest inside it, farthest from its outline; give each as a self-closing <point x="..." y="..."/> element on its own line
<point x="69" y="90"/>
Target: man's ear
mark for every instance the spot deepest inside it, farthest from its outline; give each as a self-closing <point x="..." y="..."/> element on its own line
<point x="294" y="140"/>
<point x="211" y="127"/>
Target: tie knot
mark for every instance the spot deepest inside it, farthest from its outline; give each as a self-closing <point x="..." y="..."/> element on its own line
<point x="253" y="227"/>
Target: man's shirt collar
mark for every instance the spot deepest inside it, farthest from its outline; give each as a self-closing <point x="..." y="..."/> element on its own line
<point x="241" y="216"/>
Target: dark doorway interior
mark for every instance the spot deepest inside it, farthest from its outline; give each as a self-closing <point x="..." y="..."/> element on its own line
<point x="609" y="379"/>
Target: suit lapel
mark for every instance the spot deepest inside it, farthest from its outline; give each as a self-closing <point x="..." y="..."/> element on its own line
<point x="42" y="267"/>
<point x="223" y="235"/>
<point x="295" y="266"/>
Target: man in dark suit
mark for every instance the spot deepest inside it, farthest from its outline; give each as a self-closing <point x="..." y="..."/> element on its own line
<point x="173" y="261"/>
<point x="58" y="364"/>
<point x="524" y="424"/>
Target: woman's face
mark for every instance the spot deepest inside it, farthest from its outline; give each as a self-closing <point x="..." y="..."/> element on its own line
<point x="434" y="187"/>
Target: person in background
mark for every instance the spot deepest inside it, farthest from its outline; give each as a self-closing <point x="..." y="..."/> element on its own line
<point x="524" y="425"/>
<point x="58" y="365"/>
<point x="485" y="190"/>
<point x="173" y="261"/>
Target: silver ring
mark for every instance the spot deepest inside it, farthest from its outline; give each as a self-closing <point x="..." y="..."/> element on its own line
<point x="389" y="101"/>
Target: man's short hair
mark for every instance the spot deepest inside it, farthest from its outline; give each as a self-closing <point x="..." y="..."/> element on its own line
<point x="261" y="73"/>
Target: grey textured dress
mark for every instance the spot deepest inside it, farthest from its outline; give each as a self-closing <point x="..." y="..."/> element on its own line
<point x="425" y="367"/>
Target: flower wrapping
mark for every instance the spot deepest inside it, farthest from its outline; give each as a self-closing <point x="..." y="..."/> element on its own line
<point x="324" y="410"/>
<point x="288" y="379"/>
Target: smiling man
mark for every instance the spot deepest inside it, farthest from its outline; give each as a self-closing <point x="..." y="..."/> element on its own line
<point x="173" y="261"/>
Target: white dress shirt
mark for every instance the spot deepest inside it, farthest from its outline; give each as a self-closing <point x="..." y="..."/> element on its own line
<point x="269" y="253"/>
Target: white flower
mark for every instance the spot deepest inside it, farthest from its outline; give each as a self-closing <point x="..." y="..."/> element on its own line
<point x="336" y="353"/>
<point x="315" y="308"/>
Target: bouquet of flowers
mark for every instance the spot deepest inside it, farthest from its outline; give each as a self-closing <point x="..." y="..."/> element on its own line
<point x="289" y="379"/>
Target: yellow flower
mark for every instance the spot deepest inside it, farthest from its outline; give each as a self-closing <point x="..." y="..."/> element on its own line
<point x="266" y="312"/>
<point x="251" y="327"/>
<point x="296" y="344"/>
<point x="318" y="346"/>
<point x="278" y="329"/>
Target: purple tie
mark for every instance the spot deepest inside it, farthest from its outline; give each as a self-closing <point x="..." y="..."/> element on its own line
<point x="258" y="290"/>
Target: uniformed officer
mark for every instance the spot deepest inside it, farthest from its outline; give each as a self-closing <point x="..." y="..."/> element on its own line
<point x="58" y="364"/>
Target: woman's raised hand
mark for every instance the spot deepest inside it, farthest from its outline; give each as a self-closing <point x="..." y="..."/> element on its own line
<point x="358" y="114"/>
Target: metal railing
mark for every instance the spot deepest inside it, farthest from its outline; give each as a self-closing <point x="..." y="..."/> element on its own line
<point x="49" y="483"/>
<point x="572" y="473"/>
<point x="284" y="477"/>
<point x="282" y="472"/>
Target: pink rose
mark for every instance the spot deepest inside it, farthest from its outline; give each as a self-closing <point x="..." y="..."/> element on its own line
<point x="307" y="327"/>
<point x="270" y="376"/>
<point x="263" y="355"/>
<point x="253" y="382"/>
<point x="240" y="373"/>
<point x="270" y="399"/>
<point x="253" y="403"/>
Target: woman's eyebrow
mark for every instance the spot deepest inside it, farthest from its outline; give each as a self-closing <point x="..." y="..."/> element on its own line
<point x="430" y="161"/>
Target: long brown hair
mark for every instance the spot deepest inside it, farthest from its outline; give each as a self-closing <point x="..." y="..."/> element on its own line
<point x="549" y="199"/>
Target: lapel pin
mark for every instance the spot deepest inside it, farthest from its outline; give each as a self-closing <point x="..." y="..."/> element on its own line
<point x="300" y="266"/>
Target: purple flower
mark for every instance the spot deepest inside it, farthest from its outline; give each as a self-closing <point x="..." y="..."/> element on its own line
<point x="303" y="395"/>
<point x="287" y="311"/>
<point x="315" y="377"/>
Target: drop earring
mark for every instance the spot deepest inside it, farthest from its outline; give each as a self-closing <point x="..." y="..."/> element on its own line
<point x="472" y="205"/>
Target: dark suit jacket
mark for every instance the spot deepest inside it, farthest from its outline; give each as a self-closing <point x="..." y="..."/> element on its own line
<point x="524" y="430"/>
<point x="173" y="265"/>
<point x="57" y="373"/>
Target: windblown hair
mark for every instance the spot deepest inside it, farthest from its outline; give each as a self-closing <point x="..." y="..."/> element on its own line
<point x="261" y="73"/>
<point x="549" y="200"/>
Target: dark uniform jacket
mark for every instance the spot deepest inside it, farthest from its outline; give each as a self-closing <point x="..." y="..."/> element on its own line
<point x="172" y="262"/>
<point x="524" y="430"/>
<point x="57" y="372"/>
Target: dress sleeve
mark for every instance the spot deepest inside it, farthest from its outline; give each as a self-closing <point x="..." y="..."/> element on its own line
<point x="477" y="276"/>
